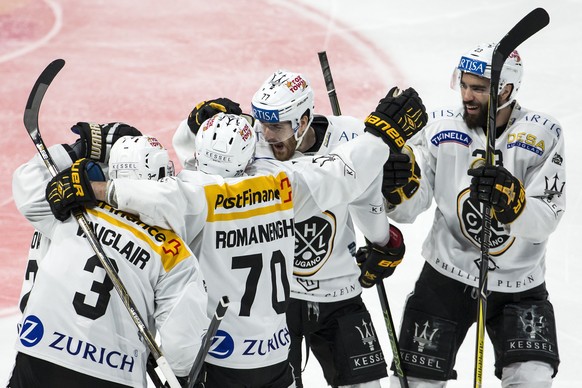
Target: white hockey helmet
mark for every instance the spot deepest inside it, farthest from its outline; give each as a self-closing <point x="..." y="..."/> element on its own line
<point x="225" y="145"/>
<point x="478" y="62"/>
<point x="284" y="96"/>
<point x="139" y="157"/>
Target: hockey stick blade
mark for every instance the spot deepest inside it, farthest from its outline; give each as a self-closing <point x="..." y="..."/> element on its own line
<point x="37" y="94"/>
<point x="32" y="110"/>
<point x="522" y="31"/>
<point x="207" y="340"/>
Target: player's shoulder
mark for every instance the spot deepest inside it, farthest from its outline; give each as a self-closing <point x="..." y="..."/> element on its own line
<point x="523" y="119"/>
<point x="444" y="115"/>
<point x="332" y="131"/>
<point x="152" y="240"/>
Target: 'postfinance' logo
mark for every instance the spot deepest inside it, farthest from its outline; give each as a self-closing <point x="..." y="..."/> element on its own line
<point x="250" y="197"/>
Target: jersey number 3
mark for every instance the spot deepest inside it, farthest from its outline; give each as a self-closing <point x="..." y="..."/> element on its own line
<point x="101" y="288"/>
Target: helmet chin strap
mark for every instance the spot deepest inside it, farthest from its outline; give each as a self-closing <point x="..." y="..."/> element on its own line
<point x="510" y="99"/>
<point x="505" y="105"/>
<point x="300" y="138"/>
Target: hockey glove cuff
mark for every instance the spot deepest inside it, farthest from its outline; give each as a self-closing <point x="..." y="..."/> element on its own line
<point x="71" y="188"/>
<point x="397" y="118"/>
<point x="97" y="139"/>
<point x="401" y="177"/>
<point x="376" y="262"/>
<point x="497" y="187"/>
<point x="206" y="109"/>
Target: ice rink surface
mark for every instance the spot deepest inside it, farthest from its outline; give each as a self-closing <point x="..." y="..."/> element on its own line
<point x="148" y="63"/>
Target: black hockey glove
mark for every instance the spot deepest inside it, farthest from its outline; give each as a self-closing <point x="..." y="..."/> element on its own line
<point x="97" y="139"/>
<point x="497" y="187"/>
<point x="376" y="262"/>
<point x="71" y="188"/>
<point x="206" y="109"/>
<point x="397" y="118"/>
<point x="401" y="178"/>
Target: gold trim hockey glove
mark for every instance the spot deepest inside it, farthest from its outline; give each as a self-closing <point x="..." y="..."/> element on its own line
<point x="71" y="188"/>
<point x="206" y="109"/>
<point x="376" y="262"/>
<point x="401" y="177"/>
<point x="496" y="186"/>
<point x="97" y="139"/>
<point x="397" y="118"/>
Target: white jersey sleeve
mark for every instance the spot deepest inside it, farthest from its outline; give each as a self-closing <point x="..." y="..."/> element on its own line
<point x="346" y="172"/>
<point x="184" y="141"/>
<point x="29" y="185"/>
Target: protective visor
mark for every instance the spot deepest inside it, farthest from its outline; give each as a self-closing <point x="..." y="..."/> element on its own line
<point x="271" y="130"/>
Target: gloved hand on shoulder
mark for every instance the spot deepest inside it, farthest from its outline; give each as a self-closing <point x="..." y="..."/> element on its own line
<point x="97" y="139"/>
<point x="206" y="109"/>
<point x="71" y="188"/>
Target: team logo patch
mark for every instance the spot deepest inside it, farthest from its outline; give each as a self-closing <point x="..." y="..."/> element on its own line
<point x="307" y="284"/>
<point x="557" y="159"/>
<point x="530" y="329"/>
<point x="424" y="336"/>
<point x="31" y="332"/>
<point x="314" y="240"/>
<point x="470" y="214"/>
<point x="554" y="186"/>
<point x="526" y="141"/>
<point x="451" y="136"/>
<point x="222" y="345"/>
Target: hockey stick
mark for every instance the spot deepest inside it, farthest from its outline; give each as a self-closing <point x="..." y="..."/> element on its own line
<point x="391" y="334"/>
<point x="523" y="30"/>
<point x="31" y="124"/>
<point x="329" y="85"/>
<point x="207" y="341"/>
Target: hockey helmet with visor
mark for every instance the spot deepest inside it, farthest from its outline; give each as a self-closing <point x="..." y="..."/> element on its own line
<point x="284" y="96"/>
<point x="478" y="62"/>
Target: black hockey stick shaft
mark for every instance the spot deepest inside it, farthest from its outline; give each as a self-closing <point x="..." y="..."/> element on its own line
<point x="207" y="340"/>
<point x="391" y="334"/>
<point x="330" y="86"/>
<point x="31" y="114"/>
<point x="523" y="30"/>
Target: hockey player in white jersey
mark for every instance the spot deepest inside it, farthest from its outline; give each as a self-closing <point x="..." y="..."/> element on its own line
<point x="526" y="189"/>
<point x="75" y="329"/>
<point x="325" y="304"/>
<point x="242" y="230"/>
<point x="94" y="142"/>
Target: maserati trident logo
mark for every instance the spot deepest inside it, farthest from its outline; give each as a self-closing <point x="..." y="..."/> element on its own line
<point x="423" y="338"/>
<point x="367" y="333"/>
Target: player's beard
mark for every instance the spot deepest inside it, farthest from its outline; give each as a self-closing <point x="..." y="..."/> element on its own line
<point x="476" y="119"/>
<point x="284" y="150"/>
